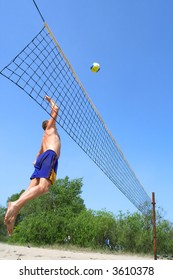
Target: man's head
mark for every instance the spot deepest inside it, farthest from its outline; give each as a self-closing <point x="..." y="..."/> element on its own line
<point x="44" y="124"/>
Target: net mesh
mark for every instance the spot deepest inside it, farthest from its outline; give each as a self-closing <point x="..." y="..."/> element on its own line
<point x="41" y="68"/>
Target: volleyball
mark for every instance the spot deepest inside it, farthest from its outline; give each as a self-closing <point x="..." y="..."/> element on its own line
<point x="95" y="67"/>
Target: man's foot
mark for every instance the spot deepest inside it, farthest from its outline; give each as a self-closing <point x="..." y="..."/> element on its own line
<point x="10" y="225"/>
<point x="11" y="211"/>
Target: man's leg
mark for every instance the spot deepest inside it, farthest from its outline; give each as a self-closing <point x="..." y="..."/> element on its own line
<point x="31" y="193"/>
<point x="32" y="184"/>
<point x="36" y="188"/>
<point x="9" y="222"/>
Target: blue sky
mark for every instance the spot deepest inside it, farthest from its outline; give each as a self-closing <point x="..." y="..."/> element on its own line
<point x="133" y="92"/>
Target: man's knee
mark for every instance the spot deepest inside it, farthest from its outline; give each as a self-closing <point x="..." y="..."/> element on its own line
<point x="45" y="185"/>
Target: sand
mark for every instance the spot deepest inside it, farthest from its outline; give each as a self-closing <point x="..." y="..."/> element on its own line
<point x="14" y="252"/>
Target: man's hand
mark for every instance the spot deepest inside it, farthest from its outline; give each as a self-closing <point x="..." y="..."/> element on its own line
<point x="54" y="107"/>
<point x="47" y="98"/>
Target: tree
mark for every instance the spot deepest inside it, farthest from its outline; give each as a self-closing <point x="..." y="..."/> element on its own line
<point x="61" y="213"/>
<point x="47" y="219"/>
<point x="2" y="227"/>
<point x="165" y="237"/>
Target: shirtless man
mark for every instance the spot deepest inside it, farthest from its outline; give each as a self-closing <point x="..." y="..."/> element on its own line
<point x="46" y="165"/>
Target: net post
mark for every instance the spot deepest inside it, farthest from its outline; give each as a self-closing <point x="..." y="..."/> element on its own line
<point x="154" y="226"/>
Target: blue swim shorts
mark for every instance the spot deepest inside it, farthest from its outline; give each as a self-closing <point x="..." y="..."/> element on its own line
<point x="46" y="166"/>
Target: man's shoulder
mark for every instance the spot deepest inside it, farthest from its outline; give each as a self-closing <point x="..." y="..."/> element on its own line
<point x="51" y="129"/>
<point x="51" y="124"/>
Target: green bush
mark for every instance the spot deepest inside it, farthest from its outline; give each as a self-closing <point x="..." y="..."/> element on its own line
<point x="60" y="216"/>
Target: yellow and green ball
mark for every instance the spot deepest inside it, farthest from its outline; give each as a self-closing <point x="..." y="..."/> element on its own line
<point x="95" y="67"/>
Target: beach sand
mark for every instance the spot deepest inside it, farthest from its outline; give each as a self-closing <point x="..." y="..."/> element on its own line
<point x="14" y="252"/>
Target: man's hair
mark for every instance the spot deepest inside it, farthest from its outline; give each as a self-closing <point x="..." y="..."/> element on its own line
<point x="44" y="124"/>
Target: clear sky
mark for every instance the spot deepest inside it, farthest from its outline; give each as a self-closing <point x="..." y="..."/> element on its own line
<point x="133" y="92"/>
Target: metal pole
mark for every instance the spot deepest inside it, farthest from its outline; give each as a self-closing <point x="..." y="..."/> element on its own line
<point x="154" y="226"/>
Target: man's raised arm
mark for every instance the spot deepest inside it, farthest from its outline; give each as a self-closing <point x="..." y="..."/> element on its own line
<point x="54" y="107"/>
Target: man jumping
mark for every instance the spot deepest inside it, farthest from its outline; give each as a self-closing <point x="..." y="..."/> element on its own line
<point x="46" y="165"/>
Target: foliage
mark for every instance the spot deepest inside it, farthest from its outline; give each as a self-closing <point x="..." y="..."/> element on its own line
<point x="46" y="219"/>
<point x="2" y="227"/>
<point x="165" y="237"/>
<point x="134" y="232"/>
<point x="60" y="216"/>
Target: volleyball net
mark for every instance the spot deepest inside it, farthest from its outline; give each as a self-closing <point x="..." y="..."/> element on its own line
<point x="40" y="69"/>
